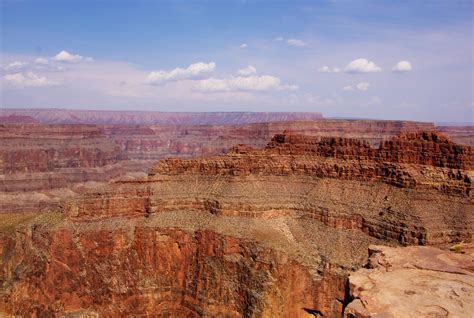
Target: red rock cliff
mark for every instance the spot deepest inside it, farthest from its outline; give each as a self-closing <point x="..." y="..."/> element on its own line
<point x="260" y="233"/>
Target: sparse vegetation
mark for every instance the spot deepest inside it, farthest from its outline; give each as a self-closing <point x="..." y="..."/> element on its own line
<point x="10" y="221"/>
<point x="457" y="249"/>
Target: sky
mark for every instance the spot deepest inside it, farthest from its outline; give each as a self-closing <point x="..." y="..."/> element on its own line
<point x="363" y="59"/>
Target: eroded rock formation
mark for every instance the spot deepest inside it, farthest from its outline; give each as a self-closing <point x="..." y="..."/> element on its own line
<point x="43" y="164"/>
<point x="273" y="232"/>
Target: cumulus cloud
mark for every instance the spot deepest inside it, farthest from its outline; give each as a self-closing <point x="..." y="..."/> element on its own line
<point x="348" y="88"/>
<point x="28" y="79"/>
<point x="41" y="61"/>
<point x="291" y="42"/>
<point x="402" y="66"/>
<point x="324" y="69"/>
<point x="327" y="69"/>
<point x="241" y="83"/>
<point x="249" y="70"/>
<point x="66" y="57"/>
<point x="15" y="66"/>
<point x="243" y="45"/>
<point x="362" y="66"/>
<point x="192" y="72"/>
<point x="363" y="86"/>
<point x="296" y="42"/>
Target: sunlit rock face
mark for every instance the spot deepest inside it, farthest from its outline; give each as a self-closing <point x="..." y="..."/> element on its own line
<point x="413" y="282"/>
<point x="42" y="164"/>
<point x="272" y="232"/>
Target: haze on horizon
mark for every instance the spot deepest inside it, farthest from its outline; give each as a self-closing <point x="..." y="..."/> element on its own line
<point x="367" y="59"/>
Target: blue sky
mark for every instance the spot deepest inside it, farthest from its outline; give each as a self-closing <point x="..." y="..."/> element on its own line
<point x="371" y="59"/>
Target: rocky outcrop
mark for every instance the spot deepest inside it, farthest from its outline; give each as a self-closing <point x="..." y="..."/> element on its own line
<point x="305" y="176"/>
<point x="413" y="160"/>
<point x="421" y="148"/>
<point x="42" y="164"/>
<point x="253" y="233"/>
<point x="73" y="153"/>
<point x="413" y="282"/>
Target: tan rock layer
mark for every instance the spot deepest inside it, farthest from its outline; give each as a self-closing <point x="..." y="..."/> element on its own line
<point x="413" y="282"/>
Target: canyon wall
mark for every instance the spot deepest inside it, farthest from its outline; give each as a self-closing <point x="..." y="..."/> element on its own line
<point x="460" y="134"/>
<point x="272" y="232"/>
<point x="415" y="167"/>
<point x="42" y="164"/>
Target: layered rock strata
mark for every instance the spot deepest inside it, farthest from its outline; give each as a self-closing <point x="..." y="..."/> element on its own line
<point x="385" y="190"/>
<point x="52" y="156"/>
<point x="254" y="233"/>
<point x="43" y="164"/>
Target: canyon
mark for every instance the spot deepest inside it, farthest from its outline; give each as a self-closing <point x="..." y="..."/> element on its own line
<point x="49" y="162"/>
<point x="250" y="220"/>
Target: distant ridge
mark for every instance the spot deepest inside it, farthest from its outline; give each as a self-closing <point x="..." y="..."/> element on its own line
<point x="17" y="119"/>
<point x="66" y="116"/>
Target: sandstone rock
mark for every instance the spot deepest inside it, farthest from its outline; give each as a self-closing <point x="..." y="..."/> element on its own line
<point x="161" y="266"/>
<point x="401" y="161"/>
<point x="37" y="158"/>
<point x="413" y="282"/>
<point x="255" y="232"/>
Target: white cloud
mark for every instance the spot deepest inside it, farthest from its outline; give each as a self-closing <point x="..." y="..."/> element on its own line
<point x="324" y="69"/>
<point x="362" y="66"/>
<point x="28" y="79"/>
<point x="192" y="72"/>
<point x="402" y="66"/>
<point x="41" y="61"/>
<point x="243" y="45"/>
<point x="16" y="65"/>
<point x="290" y="87"/>
<point x="249" y="70"/>
<point x="292" y="42"/>
<point x="363" y="86"/>
<point x="67" y="57"/>
<point x="296" y="42"/>
<point x="327" y="69"/>
<point x="240" y="83"/>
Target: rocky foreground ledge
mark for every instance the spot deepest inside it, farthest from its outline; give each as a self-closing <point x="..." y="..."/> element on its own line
<point x="414" y="282"/>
